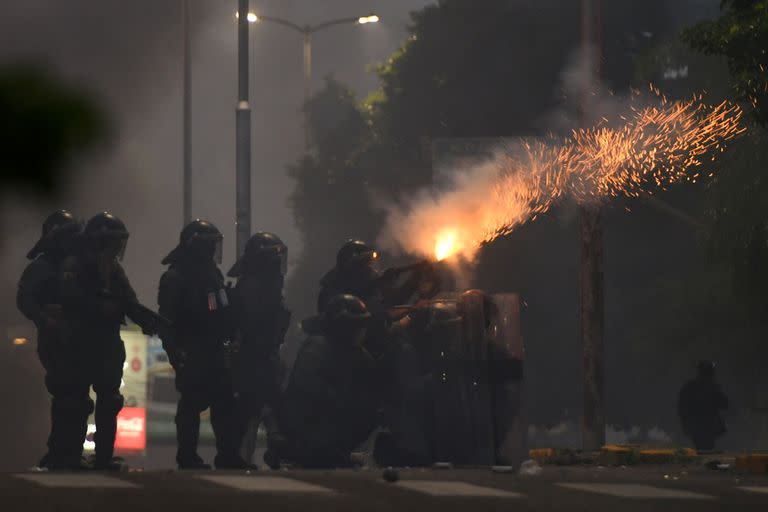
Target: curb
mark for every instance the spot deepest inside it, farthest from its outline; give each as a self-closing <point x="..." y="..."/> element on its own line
<point x="756" y="463"/>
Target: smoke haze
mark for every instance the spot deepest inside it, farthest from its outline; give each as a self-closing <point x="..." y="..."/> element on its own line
<point x="129" y="56"/>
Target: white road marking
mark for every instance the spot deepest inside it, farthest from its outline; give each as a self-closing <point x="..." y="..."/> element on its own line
<point x="763" y="490"/>
<point x="265" y="484"/>
<point x="636" y="491"/>
<point x="76" y="480"/>
<point x="440" y="488"/>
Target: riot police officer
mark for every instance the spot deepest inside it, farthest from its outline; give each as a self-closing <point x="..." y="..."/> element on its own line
<point x="699" y="405"/>
<point x="192" y="295"/>
<point x="261" y="321"/>
<point x="38" y="299"/>
<point x="96" y="296"/>
<point x="356" y="274"/>
<point x="329" y="406"/>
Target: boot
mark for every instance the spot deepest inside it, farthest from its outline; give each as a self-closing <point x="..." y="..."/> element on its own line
<point x="192" y="462"/>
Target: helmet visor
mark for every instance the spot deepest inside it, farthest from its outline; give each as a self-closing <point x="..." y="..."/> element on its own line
<point x="364" y="261"/>
<point x="207" y="246"/>
<point x="112" y="247"/>
<point x="218" y="251"/>
<point x="281" y="253"/>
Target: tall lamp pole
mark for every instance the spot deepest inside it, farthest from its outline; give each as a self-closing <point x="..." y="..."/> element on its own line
<point x="187" y="116"/>
<point x="243" y="133"/>
<point x="307" y="31"/>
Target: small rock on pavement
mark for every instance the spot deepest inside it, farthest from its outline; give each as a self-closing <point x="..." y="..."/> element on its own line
<point x="530" y="468"/>
<point x="391" y="475"/>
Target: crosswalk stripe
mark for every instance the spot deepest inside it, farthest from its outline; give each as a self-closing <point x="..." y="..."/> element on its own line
<point x="265" y="484"/>
<point x="75" y="480"/>
<point x="762" y="490"/>
<point x="440" y="488"/>
<point x="635" y="491"/>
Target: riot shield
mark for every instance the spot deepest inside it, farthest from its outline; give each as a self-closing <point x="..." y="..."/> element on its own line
<point x="507" y="356"/>
<point x="450" y="427"/>
<point x="476" y="381"/>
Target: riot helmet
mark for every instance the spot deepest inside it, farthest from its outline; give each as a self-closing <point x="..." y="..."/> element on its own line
<point x="58" y="234"/>
<point x="355" y="255"/>
<point x="107" y="235"/>
<point x="346" y="320"/>
<point x="199" y="240"/>
<point x="57" y="219"/>
<point x="263" y="252"/>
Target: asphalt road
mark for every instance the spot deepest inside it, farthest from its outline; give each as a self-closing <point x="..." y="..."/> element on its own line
<point x="571" y="489"/>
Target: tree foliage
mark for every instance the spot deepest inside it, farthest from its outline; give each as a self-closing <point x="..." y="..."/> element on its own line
<point x="330" y="196"/>
<point x="738" y="199"/>
<point x="740" y="35"/>
<point x="467" y="70"/>
<point x="44" y="125"/>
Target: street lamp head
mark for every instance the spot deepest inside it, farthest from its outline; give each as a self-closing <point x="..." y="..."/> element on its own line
<point x="371" y="18"/>
<point x="251" y="17"/>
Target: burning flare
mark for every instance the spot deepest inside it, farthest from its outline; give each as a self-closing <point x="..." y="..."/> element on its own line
<point x="652" y="148"/>
<point x="445" y="245"/>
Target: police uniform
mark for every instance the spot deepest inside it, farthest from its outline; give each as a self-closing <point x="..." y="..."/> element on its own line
<point x="38" y="299"/>
<point x="329" y="406"/>
<point x="95" y="296"/>
<point x="193" y="297"/>
<point x="261" y="321"/>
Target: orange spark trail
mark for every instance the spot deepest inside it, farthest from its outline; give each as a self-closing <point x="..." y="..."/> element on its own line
<point x="655" y="147"/>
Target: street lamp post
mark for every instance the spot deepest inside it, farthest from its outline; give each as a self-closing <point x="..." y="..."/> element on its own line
<point x="243" y="134"/>
<point x="307" y="31"/>
<point x="187" y="117"/>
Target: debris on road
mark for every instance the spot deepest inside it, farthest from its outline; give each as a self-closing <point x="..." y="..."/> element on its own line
<point x="530" y="468"/>
<point x="390" y="475"/>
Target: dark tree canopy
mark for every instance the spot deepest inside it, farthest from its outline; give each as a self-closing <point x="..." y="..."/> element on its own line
<point x="468" y="69"/>
<point x="44" y="125"/>
<point x="740" y="35"/>
<point x="330" y="198"/>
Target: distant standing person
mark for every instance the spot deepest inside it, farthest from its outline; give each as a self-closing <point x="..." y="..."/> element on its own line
<point x="699" y="406"/>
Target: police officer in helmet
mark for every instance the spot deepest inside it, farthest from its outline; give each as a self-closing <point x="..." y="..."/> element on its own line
<point x="354" y="274"/>
<point x="96" y="296"/>
<point x="193" y="297"/>
<point x="329" y="406"/>
<point x="261" y="321"/>
<point x="38" y="299"/>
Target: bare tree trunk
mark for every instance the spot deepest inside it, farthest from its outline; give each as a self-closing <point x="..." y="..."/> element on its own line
<point x="591" y="271"/>
<point x="591" y="327"/>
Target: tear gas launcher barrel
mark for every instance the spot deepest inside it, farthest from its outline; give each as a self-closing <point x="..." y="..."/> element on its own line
<point x="393" y="273"/>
